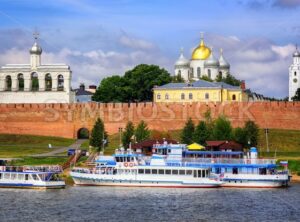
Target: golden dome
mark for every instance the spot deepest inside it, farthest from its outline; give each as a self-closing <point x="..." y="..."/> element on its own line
<point x="201" y="52"/>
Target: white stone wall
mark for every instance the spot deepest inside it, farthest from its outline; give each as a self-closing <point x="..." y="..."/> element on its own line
<point x="183" y="71"/>
<point x="37" y="97"/>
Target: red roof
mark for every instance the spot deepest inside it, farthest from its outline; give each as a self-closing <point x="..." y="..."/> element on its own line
<point x="223" y="144"/>
<point x="215" y="142"/>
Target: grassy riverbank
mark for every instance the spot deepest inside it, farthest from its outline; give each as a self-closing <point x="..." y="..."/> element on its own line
<point x="18" y="146"/>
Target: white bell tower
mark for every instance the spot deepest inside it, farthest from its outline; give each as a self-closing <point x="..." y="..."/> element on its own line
<point x="294" y="74"/>
<point x="35" y="53"/>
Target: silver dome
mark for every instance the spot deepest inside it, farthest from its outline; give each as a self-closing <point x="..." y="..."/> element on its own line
<point x="223" y="63"/>
<point x="182" y="61"/>
<point x="211" y="61"/>
<point x="36" y="49"/>
<point x="296" y="53"/>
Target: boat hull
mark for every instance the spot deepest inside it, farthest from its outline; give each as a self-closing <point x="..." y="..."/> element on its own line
<point x="255" y="181"/>
<point x="89" y="180"/>
<point x="43" y="185"/>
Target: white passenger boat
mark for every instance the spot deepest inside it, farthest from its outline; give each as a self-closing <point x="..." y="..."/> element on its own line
<point x="129" y="169"/>
<point x="239" y="169"/>
<point x="31" y="177"/>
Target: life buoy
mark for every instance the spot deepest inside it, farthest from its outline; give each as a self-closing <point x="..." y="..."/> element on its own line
<point x="126" y="164"/>
<point x="131" y="164"/>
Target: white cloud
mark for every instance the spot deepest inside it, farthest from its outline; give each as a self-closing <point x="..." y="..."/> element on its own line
<point x="263" y="64"/>
<point x="136" y="43"/>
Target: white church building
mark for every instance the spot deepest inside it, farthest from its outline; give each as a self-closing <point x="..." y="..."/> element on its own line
<point x="202" y="63"/>
<point x="294" y="75"/>
<point x="36" y="82"/>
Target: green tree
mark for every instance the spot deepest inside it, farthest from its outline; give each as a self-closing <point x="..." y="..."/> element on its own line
<point x="141" y="80"/>
<point x="177" y="79"/>
<point x="135" y="85"/>
<point x="297" y="95"/>
<point x="201" y="133"/>
<point x="187" y="132"/>
<point x="111" y="89"/>
<point x="98" y="136"/>
<point x="240" y="136"/>
<point x="209" y="123"/>
<point x="222" y="129"/>
<point x="142" y="132"/>
<point x="127" y="135"/>
<point x="229" y="79"/>
<point x="251" y="133"/>
<point x="206" y="78"/>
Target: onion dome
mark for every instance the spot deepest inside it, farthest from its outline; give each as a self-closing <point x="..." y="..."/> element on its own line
<point x="211" y="61"/>
<point x="182" y="61"/>
<point x="296" y="53"/>
<point x="223" y="63"/>
<point x="201" y="52"/>
<point x="36" y="49"/>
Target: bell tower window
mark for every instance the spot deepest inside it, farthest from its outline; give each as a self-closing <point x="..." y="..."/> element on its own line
<point x="295" y="73"/>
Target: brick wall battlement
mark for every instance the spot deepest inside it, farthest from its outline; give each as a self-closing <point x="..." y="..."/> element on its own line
<point x="66" y="119"/>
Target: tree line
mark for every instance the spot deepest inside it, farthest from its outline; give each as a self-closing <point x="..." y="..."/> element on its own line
<point x="219" y="129"/>
<point x="99" y="137"/>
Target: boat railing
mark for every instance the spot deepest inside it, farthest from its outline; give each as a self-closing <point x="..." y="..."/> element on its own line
<point x="55" y="169"/>
<point x="169" y="145"/>
<point x="230" y="160"/>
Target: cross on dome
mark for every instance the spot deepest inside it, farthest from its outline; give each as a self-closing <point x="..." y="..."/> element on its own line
<point x="36" y="34"/>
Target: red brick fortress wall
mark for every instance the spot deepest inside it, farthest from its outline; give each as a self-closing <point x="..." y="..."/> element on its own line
<point x="64" y="120"/>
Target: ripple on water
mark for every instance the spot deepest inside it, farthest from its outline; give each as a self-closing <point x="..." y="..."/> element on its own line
<point x="150" y="204"/>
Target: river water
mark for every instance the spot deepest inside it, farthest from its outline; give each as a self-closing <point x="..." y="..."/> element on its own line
<point x="150" y="204"/>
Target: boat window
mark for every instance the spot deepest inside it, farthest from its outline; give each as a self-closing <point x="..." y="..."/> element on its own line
<point x="147" y="171"/>
<point x="182" y="172"/>
<point x="234" y="170"/>
<point x="218" y="170"/>
<point x="141" y="171"/>
<point x="262" y="171"/>
<point x="169" y="150"/>
<point x="132" y="158"/>
<point x="175" y="172"/>
<point x="13" y="176"/>
<point x="0" y="176"/>
<point x="195" y="173"/>
<point x="6" y="175"/>
<point x="161" y="171"/>
<point x="199" y="173"/>
<point x="34" y="176"/>
<point x="189" y="172"/>
<point x="168" y="171"/>
<point x="128" y="159"/>
<point x="154" y="171"/>
<point x="26" y="176"/>
<point x="117" y="159"/>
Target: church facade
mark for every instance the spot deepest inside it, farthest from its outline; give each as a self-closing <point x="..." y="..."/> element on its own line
<point x="36" y="82"/>
<point x="202" y="63"/>
<point x="294" y="75"/>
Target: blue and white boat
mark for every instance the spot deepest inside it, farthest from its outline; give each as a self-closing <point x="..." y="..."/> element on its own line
<point x="126" y="168"/>
<point x="44" y="177"/>
<point x="239" y="169"/>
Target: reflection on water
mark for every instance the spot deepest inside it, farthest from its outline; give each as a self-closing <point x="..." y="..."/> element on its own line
<point x="150" y="204"/>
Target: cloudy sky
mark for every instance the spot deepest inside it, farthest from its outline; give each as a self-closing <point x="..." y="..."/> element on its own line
<point x="98" y="38"/>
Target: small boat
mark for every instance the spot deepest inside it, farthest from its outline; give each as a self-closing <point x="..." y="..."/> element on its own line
<point x="126" y="168"/>
<point x="45" y="177"/>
